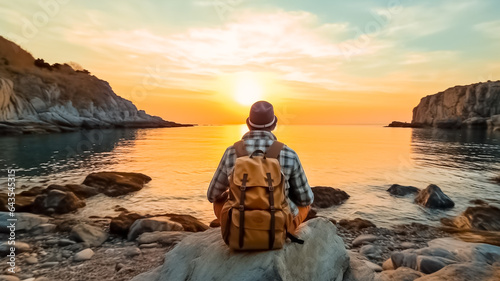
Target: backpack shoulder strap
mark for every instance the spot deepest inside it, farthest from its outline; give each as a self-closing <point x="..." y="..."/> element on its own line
<point x="274" y="150"/>
<point x="240" y="148"/>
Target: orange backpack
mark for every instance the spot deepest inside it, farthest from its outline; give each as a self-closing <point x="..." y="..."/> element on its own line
<point x="256" y="215"/>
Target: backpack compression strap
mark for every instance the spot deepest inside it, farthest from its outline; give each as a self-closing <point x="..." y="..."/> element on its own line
<point x="274" y="150"/>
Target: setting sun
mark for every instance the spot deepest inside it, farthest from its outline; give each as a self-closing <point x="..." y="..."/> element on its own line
<point x="248" y="89"/>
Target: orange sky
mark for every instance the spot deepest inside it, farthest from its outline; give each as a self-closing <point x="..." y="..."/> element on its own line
<point x="327" y="62"/>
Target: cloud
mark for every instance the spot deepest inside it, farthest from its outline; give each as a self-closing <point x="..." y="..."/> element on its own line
<point x="489" y="28"/>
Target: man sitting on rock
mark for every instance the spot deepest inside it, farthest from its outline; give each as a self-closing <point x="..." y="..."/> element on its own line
<point x="260" y="123"/>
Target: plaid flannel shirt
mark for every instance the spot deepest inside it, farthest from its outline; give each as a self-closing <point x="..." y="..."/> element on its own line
<point x="297" y="188"/>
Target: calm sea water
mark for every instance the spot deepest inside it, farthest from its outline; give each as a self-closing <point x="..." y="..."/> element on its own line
<point x="362" y="160"/>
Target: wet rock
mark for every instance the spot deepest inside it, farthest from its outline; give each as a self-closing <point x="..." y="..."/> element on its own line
<point x="401" y="190"/>
<point x="387" y="265"/>
<point x="149" y="246"/>
<point x="65" y="242"/>
<point x="400" y="274"/>
<point x="132" y="252"/>
<point x="22" y="204"/>
<point x="161" y="223"/>
<point x="325" y="197"/>
<point x="34" y="191"/>
<point x="49" y="264"/>
<point x="485" y="217"/>
<point x="165" y="238"/>
<point x="83" y="255"/>
<point x="496" y="179"/>
<point x="80" y="190"/>
<point x="371" y="251"/>
<point x="428" y="265"/>
<point x="92" y="235"/>
<point x="9" y="278"/>
<point x="122" y="223"/>
<point x="204" y="256"/>
<point x="408" y="245"/>
<point x="116" y="183"/>
<point x="363" y="239"/>
<point x="356" y="224"/>
<point x="31" y="260"/>
<point x="56" y="201"/>
<point x="358" y="269"/>
<point x="434" y="197"/>
<point x="215" y="223"/>
<point x="465" y="272"/>
<point x="478" y="202"/>
<point x="43" y="228"/>
<point x="188" y="222"/>
<point x="21" y="247"/>
<point x="436" y="257"/>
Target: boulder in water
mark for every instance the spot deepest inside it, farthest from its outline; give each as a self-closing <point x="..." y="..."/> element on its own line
<point x="116" y="183"/>
<point x="325" y="197"/>
<point x="401" y="190"/>
<point x="434" y="197"/>
<point x="483" y="217"/>
<point x="80" y="190"/>
<point x="56" y="201"/>
<point x="23" y="203"/>
<point x="204" y="256"/>
<point x="122" y="223"/>
<point x="356" y="224"/>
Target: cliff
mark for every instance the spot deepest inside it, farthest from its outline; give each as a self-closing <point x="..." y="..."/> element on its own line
<point x="472" y="106"/>
<point x="36" y="97"/>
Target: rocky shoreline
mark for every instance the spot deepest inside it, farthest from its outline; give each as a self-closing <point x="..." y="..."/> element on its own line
<point x="40" y="98"/>
<point x="475" y="106"/>
<point x="55" y="245"/>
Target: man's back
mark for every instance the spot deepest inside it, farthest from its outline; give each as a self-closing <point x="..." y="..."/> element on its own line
<point x="297" y="188"/>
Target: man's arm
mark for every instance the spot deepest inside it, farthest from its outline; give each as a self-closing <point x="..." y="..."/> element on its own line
<point x="220" y="182"/>
<point x="300" y="192"/>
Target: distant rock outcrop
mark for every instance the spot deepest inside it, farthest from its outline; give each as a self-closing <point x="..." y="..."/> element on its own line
<point x="36" y="97"/>
<point x="471" y="106"/>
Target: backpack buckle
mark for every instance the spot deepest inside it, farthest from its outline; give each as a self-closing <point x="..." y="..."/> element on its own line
<point x="242" y="208"/>
<point x="271" y="188"/>
<point x="272" y="208"/>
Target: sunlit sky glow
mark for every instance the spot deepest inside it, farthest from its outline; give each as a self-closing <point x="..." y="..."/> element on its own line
<point x="319" y="62"/>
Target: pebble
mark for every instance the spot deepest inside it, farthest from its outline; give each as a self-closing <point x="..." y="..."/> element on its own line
<point x="49" y="264"/>
<point x="150" y="245"/>
<point x="31" y="260"/>
<point x="52" y="242"/>
<point x="363" y="239"/>
<point x="43" y="228"/>
<point x="66" y="253"/>
<point x="83" y="255"/>
<point x="132" y="252"/>
<point x="408" y="245"/>
<point x="66" y="242"/>
<point x="9" y="278"/>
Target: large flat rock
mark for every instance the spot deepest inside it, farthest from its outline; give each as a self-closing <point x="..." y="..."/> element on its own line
<point x="204" y="256"/>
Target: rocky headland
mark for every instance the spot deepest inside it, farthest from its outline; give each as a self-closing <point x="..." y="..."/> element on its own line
<point x="472" y="106"/>
<point x="54" y="244"/>
<point x="37" y="97"/>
